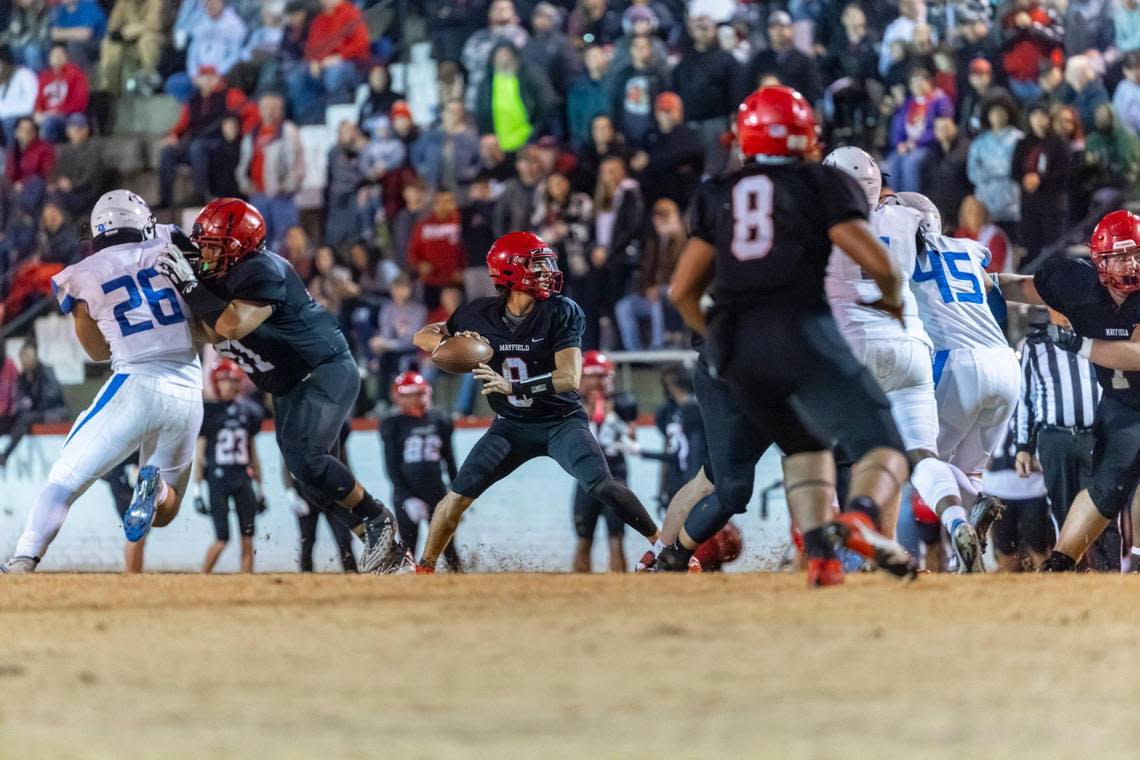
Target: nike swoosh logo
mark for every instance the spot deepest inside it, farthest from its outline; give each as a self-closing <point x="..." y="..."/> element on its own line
<point x="536" y="340"/>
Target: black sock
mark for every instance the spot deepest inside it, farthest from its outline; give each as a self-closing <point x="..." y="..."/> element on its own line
<point x="817" y="545"/>
<point x="1059" y="562"/>
<point x="868" y="507"/>
<point x="368" y="508"/>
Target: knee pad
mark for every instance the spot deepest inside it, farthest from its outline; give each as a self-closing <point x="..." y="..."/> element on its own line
<point x="324" y="474"/>
<point x="734" y="494"/>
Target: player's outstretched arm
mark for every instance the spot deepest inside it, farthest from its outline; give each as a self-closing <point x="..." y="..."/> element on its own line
<point x="1123" y="355"/>
<point x="89" y="334"/>
<point x="855" y="239"/>
<point x="691" y="278"/>
<point x="1019" y="288"/>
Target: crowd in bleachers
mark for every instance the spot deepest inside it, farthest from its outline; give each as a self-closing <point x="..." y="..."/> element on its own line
<point x="590" y="123"/>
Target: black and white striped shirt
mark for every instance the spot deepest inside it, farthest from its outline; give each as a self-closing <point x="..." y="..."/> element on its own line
<point x="1058" y="388"/>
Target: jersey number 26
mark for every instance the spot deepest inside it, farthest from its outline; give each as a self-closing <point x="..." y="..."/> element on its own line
<point x="171" y="314"/>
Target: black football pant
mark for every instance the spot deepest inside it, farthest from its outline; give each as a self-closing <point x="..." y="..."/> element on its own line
<point x="309" y="418"/>
<point x="410" y="529"/>
<point x="507" y="444"/>
<point x="797" y="382"/>
<point x="239" y="487"/>
<point x="734" y="448"/>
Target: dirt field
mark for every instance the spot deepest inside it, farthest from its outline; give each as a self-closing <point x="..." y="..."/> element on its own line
<point x="546" y="666"/>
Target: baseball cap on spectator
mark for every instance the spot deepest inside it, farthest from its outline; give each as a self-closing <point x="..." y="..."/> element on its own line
<point x="77" y="120"/>
<point x="980" y="66"/>
<point x="400" y="108"/>
<point x="669" y="101"/>
<point x="779" y="18"/>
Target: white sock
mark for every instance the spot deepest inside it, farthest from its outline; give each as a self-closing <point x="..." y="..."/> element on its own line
<point x="44" y="521"/>
<point x="951" y="515"/>
<point x="934" y="481"/>
<point x="163" y="490"/>
<point x="657" y="547"/>
<point x="968" y="485"/>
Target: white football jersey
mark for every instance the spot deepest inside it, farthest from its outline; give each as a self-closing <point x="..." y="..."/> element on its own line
<point x="949" y="280"/>
<point x="846" y="284"/>
<point x="143" y="318"/>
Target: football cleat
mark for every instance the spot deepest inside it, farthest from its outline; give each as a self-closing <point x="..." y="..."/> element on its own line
<point x="854" y="531"/>
<point x="695" y="566"/>
<point x="1058" y="563"/>
<point x="140" y="514"/>
<point x="967" y="547"/>
<point x="986" y="511"/>
<point x="647" y="563"/>
<point x="423" y="569"/>
<point x="382" y="552"/>
<point x="824" y="572"/>
<point x="20" y="565"/>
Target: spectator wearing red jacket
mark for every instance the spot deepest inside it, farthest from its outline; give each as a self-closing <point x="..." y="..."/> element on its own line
<point x="336" y="51"/>
<point x="198" y="132"/>
<point x="435" y="250"/>
<point x="29" y="164"/>
<point x="1031" y="34"/>
<point x="63" y="91"/>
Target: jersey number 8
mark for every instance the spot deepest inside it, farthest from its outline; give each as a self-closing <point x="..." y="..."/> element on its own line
<point x="154" y="299"/>
<point x="752" y="228"/>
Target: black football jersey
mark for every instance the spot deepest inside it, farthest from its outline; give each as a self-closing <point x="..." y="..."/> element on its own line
<point x="769" y="224"/>
<point x="416" y="449"/>
<point x="1071" y="286"/>
<point x="684" y="431"/>
<point x="229" y="428"/>
<point x="297" y="336"/>
<point x="528" y="351"/>
<point x="616" y="432"/>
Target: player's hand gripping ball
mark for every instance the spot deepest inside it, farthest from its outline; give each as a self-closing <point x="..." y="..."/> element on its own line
<point x="462" y="353"/>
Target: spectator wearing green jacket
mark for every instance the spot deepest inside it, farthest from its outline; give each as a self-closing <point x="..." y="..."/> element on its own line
<point x="514" y="100"/>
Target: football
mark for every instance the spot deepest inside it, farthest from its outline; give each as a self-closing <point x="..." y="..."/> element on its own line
<point x="459" y="354"/>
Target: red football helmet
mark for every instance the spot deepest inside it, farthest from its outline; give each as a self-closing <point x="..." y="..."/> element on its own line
<point x="1115" y="251"/>
<point x="224" y="369"/>
<point x="232" y="227"/>
<point x="597" y="374"/>
<point x="725" y="546"/>
<point x="522" y="261"/>
<point x="412" y="393"/>
<point x="775" y="121"/>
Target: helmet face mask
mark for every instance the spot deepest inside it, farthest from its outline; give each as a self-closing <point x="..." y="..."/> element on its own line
<point x="1119" y="271"/>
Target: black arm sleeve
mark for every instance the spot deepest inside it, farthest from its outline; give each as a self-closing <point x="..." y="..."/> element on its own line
<point x="447" y="449"/>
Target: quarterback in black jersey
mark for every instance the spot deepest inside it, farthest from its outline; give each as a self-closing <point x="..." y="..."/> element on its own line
<point x="228" y="466"/>
<point x="1101" y="298"/>
<point x="762" y="236"/>
<point x="258" y="313"/>
<point x="531" y="384"/>
<point x="417" y="447"/>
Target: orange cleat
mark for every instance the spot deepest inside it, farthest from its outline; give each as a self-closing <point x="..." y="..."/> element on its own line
<point x="647" y="563"/>
<point x="695" y="566"/>
<point x="824" y="572"/>
<point x="422" y="569"/>
<point x="856" y="531"/>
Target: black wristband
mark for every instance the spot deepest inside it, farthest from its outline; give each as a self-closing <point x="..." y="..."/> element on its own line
<point x="205" y="305"/>
<point x="543" y="385"/>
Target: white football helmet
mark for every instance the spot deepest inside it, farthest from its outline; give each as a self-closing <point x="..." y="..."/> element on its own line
<point x="122" y="210"/>
<point x="860" y="165"/>
<point x="931" y="218"/>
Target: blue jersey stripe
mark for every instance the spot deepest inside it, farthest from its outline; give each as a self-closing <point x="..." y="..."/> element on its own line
<point x="939" y="364"/>
<point x="112" y="388"/>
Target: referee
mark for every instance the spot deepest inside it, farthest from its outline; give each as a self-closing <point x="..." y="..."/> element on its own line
<point x="1054" y="419"/>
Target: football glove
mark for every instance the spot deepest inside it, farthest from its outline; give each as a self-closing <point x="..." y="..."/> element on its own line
<point x="174" y="265"/>
<point x="299" y="506"/>
<point x="201" y="504"/>
<point x="1066" y="340"/>
<point x="259" y="497"/>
